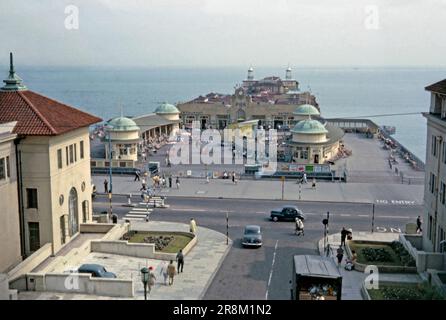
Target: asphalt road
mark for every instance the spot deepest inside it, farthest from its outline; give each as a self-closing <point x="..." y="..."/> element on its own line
<point x="264" y="273"/>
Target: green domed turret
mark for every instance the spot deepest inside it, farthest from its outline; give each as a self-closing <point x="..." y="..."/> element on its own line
<point x="123" y="124"/>
<point x="306" y="110"/>
<point x="167" y="108"/>
<point x="309" y="127"/>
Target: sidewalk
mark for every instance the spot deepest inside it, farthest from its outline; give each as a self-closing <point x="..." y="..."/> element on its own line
<point x="272" y="190"/>
<point x="200" y="267"/>
<point x="352" y="280"/>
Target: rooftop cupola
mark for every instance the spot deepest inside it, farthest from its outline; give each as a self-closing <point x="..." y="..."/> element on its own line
<point x="13" y="82"/>
<point x="250" y="73"/>
<point x="288" y="75"/>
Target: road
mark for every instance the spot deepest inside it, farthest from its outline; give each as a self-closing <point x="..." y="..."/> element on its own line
<point x="264" y="273"/>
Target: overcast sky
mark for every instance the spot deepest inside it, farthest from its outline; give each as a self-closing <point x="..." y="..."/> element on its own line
<point x="196" y="33"/>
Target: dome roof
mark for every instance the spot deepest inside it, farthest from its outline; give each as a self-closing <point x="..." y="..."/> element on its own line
<point x="123" y="124"/>
<point x="309" y="127"/>
<point x="167" y="108"/>
<point x="306" y="109"/>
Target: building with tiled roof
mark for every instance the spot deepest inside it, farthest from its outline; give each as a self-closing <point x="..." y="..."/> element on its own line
<point x="52" y="150"/>
<point x="270" y="100"/>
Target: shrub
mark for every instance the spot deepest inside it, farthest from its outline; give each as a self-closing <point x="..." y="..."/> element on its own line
<point x="405" y="257"/>
<point x="377" y="254"/>
<point x="422" y="291"/>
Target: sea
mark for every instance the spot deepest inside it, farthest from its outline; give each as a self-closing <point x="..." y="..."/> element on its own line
<point x="387" y="95"/>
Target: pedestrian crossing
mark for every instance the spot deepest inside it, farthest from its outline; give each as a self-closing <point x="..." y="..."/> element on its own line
<point x="138" y="213"/>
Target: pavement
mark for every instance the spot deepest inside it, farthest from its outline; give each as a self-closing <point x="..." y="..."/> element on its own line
<point x="352" y="280"/>
<point x="201" y="265"/>
<point x="272" y="190"/>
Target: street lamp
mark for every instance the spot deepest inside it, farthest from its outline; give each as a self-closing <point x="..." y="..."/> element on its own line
<point x="325" y="223"/>
<point x="373" y="217"/>
<point x="145" y="280"/>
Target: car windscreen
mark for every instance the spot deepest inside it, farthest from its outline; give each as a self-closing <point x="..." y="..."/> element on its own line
<point x="252" y="231"/>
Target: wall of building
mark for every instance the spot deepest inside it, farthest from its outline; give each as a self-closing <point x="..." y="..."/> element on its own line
<point x="40" y="170"/>
<point x="435" y="209"/>
<point x="10" y="254"/>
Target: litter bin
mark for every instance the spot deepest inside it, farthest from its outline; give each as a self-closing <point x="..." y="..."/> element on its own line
<point x="115" y="219"/>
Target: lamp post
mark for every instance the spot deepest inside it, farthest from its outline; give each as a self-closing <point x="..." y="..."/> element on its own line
<point x="325" y="223"/>
<point x="110" y="191"/>
<point x="373" y="217"/>
<point x="145" y="280"/>
<point x="227" y="228"/>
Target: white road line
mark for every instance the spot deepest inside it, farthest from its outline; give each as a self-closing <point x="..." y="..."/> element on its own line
<point x="392" y="217"/>
<point x="345" y="215"/>
<point x="181" y="209"/>
<point x="262" y="212"/>
<point x="136" y="215"/>
<point x="363" y="215"/>
<point x="272" y="268"/>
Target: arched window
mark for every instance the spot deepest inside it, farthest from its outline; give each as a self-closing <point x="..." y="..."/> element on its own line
<point x="73" y="216"/>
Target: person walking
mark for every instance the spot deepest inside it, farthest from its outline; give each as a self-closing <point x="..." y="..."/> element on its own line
<point x="163" y="272"/>
<point x="137" y="175"/>
<point x="171" y="271"/>
<point x="344" y="233"/>
<point x="207" y="178"/>
<point x="177" y="181"/>
<point x="170" y="181"/>
<point x="152" y="279"/>
<point x="340" y="255"/>
<point x="233" y="177"/>
<point x="313" y="186"/>
<point x="419" y="222"/>
<point x="105" y="186"/>
<point x="180" y="261"/>
<point x="305" y="178"/>
<point x="192" y="226"/>
<point x="144" y="184"/>
<point x="299" y="227"/>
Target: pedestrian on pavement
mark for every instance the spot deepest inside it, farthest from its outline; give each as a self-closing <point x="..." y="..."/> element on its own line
<point x="207" y="178"/>
<point x="152" y="279"/>
<point x="105" y="186"/>
<point x="177" y="181"/>
<point x="137" y="175"/>
<point x="313" y="186"/>
<point x="344" y="233"/>
<point x="233" y="177"/>
<point x="192" y="226"/>
<point x="163" y="272"/>
<point x="419" y="222"/>
<point x="144" y="184"/>
<point x="180" y="261"/>
<point x="170" y="181"/>
<point x="171" y="271"/>
<point x="340" y="255"/>
<point x="305" y="177"/>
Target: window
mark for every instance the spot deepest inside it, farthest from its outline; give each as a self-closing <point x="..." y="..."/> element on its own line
<point x="71" y="154"/>
<point x="67" y="156"/>
<point x="444" y="152"/>
<point x="430" y="228"/>
<point x="81" y="146"/>
<point x="31" y="195"/>
<point x="34" y="236"/>
<point x="8" y="168"/>
<point x="432" y="183"/>
<point x="62" y="230"/>
<point x="442" y="193"/>
<point x="59" y="158"/>
<point x="75" y="152"/>
<point x="2" y="169"/>
<point x="85" y="211"/>
<point x="434" y="146"/>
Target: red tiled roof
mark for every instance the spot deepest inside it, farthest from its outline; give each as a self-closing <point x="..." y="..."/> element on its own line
<point x="39" y="115"/>
<point x="439" y="87"/>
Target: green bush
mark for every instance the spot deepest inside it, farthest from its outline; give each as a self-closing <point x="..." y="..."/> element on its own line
<point x="405" y="257"/>
<point x="422" y="291"/>
<point x="377" y="255"/>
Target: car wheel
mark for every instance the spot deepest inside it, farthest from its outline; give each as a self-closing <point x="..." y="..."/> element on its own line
<point x="275" y="219"/>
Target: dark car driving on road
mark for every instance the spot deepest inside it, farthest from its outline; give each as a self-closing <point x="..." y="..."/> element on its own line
<point x="287" y="213"/>
<point x="252" y="237"/>
<point x="96" y="271"/>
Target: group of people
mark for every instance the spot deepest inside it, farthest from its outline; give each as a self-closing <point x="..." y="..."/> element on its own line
<point x="233" y="176"/>
<point x="349" y="262"/>
<point x="169" y="270"/>
<point x="304" y="179"/>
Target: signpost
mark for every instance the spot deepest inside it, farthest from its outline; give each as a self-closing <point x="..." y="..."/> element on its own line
<point x="283" y="186"/>
<point x="373" y="217"/>
<point x="227" y="228"/>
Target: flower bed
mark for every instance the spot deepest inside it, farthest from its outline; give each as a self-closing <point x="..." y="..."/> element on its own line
<point x="405" y="291"/>
<point x="387" y="256"/>
<point x="166" y="242"/>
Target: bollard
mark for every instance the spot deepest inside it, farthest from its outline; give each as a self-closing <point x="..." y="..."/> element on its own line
<point x="129" y="199"/>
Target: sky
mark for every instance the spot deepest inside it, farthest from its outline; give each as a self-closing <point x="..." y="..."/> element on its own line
<point x="203" y="33"/>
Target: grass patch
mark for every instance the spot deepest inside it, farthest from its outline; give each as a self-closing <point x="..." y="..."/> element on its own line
<point x="178" y="242"/>
<point x="391" y="254"/>
<point x="442" y="277"/>
<point x="405" y="291"/>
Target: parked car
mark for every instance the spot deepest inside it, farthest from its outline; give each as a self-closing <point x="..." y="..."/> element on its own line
<point x="252" y="236"/>
<point x="287" y="213"/>
<point x="96" y="271"/>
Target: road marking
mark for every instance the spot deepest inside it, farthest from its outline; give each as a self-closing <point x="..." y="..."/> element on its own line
<point x="345" y="215"/>
<point x="272" y="268"/>
<point x="363" y="215"/>
<point x="392" y="217"/>
<point x="182" y="209"/>
<point x="262" y="212"/>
